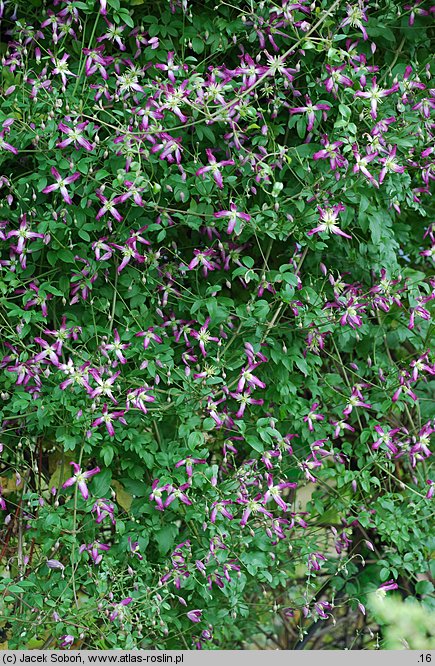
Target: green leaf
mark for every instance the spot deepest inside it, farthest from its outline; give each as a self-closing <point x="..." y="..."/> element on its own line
<point x="65" y="255"/>
<point x="101" y="483"/>
<point x="384" y="574"/>
<point x="424" y="587"/>
<point x="255" y="443"/>
<point x="165" y="537"/>
<point x="375" y="225"/>
<point x="198" y="45"/>
<point x="107" y="454"/>
<point x="195" y="440"/>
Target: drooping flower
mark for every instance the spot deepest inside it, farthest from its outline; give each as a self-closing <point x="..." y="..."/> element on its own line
<point x="314" y="561"/>
<point x="335" y="77"/>
<point x="220" y="508"/>
<point x="188" y="463"/>
<point x="157" y="493"/>
<point x="99" y="247"/>
<point x="134" y="548"/>
<point x="95" y="61"/>
<point x="194" y="615"/>
<point x="118" y="609"/>
<point x="247" y="378"/>
<point x="103" y="509"/>
<point x="388" y="586"/>
<point x="94" y="549"/>
<point x="4" y="145"/>
<point x="55" y="564"/>
<point x="138" y="398"/>
<point x="351" y="314"/>
<point x="330" y="151"/>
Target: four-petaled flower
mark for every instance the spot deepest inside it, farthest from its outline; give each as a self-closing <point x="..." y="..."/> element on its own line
<point x="328" y="221"/>
<point x="80" y="478"/>
<point x="23" y="234"/>
<point x="356" y="14"/>
<point x="61" y="184"/>
<point x="375" y="94"/>
<point x="274" y="491"/>
<point x="203" y="336"/>
<point x="75" y="136"/>
<point x="188" y="463"/>
<point x="235" y="219"/>
<point x="214" y="167"/>
<point x="309" y="109"/>
<point x="107" y="419"/>
<point x="108" y="207"/>
<point x="117" y="346"/>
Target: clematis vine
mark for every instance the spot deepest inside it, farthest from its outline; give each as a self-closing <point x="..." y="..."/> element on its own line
<point x="388" y="586"/>
<point x="108" y="207"/>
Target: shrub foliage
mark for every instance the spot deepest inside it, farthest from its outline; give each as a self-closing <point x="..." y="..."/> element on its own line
<point x="216" y="319"/>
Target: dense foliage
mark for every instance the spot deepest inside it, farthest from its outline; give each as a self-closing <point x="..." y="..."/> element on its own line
<point x="217" y="304"/>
